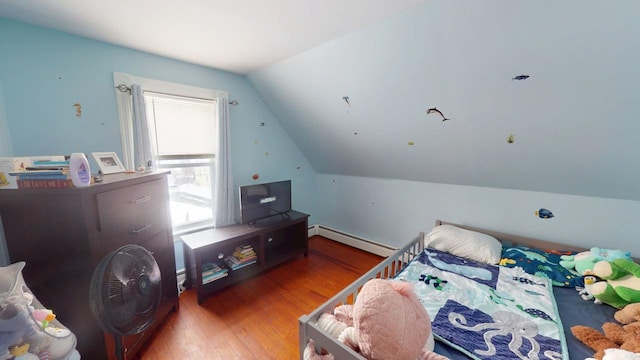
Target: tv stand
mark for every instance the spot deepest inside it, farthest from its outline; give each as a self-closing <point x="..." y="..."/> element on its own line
<point x="275" y="240"/>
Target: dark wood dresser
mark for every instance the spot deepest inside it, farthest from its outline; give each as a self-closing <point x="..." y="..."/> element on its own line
<point x="62" y="234"/>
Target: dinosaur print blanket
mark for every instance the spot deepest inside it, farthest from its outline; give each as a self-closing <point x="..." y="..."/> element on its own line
<point x="487" y="311"/>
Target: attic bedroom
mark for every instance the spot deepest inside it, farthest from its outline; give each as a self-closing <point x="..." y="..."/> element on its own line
<point x="385" y="116"/>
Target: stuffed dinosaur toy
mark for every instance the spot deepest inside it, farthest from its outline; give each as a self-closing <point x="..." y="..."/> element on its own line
<point x="584" y="262"/>
<point x="619" y="277"/>
<point x="622" y="282"/>
<point x="387" y="321"/>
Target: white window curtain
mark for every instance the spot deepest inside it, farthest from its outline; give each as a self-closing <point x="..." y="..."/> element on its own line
<point x="142" y="159"/>
<point x="223" y="199"/>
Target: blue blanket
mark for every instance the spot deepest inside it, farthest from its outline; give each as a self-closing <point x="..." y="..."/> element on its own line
<point x="487" y="311"/>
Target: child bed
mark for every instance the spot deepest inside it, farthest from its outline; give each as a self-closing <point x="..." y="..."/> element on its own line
<point x="571" y="309"/>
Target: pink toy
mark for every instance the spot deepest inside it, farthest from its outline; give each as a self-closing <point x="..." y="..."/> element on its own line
<point x="43" y="316"/>
<point x="388" y="323"/>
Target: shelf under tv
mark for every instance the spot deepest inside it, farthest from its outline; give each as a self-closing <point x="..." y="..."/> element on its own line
<point x="275" y="240"/>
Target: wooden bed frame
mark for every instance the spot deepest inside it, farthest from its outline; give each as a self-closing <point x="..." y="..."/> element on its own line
<point x="388" y="268"/>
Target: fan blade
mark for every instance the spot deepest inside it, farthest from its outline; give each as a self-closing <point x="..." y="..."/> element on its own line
<point x="126" y="290"/>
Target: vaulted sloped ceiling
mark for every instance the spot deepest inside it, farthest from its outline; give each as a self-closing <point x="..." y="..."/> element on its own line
<point x="239" y="36"/>
<point x="571" y="127"/>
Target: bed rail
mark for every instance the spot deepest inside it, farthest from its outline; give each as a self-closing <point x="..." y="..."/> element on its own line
<point x="386" y="269"/>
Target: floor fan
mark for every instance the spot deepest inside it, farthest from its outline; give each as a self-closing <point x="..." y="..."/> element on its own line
<point x="125" y="292"/>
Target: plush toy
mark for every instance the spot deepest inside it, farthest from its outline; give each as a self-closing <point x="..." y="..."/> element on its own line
<point x="389" y="322"/>
<point x="584" y="261"/>
<point x="22" y="353"/>
<point x="609" y="254"/>
<point x="622" y="285"/>
<point x="26" y="329"/>
<point x="43" y="317"/>
<point x="628" y="314"/>
<point x="614" y="336"/>
<point x="618" y="354"/>
<point x="625" y="337"/>
<point x="16" y="326"/>
<point x="586" y="293"/>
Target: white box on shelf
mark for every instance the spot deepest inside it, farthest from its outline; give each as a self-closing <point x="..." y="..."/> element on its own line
<point x="10" y="164"/>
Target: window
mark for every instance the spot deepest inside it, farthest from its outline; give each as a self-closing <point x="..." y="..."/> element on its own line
<point x="184" y="141"/>
<point x="183" y="129"/>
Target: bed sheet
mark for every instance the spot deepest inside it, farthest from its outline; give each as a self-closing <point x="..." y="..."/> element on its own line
<point x="573" y="311"/>
<point x="478" y="307"/>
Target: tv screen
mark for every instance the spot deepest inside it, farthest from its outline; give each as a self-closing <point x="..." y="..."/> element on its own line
<point x="264" y="200"/>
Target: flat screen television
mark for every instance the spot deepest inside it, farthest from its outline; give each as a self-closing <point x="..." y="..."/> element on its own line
<point x="261" y="201"/>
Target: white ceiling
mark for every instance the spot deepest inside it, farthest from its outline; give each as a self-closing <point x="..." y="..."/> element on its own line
<point x="239" y="36"/>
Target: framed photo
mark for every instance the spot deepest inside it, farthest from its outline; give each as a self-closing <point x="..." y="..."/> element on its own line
<point x="108" y="162"/>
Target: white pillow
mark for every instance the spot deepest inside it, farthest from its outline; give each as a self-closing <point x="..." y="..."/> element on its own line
<point x="465" y="243"/>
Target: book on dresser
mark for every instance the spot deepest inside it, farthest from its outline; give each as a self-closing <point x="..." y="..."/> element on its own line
<point x="43" y="179"/>
<point x="44" y="183"/>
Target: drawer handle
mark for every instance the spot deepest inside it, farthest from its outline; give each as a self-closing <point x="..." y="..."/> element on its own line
<point x="141" y="200"/>
<point x="138" y="231"/>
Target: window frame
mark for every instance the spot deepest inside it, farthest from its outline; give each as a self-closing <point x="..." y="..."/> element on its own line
<point x="123" y="99"/>
<point x="124" y="81"/>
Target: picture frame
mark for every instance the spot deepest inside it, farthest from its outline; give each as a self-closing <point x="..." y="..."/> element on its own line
<point x="108" y="162"/>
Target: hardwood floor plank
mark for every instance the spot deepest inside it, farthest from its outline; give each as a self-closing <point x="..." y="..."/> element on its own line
<point x="258" y="318"/>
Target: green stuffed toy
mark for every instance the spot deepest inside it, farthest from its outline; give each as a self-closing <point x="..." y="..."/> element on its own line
<point x="583" y="262"/>
<point x="622" y="282"/>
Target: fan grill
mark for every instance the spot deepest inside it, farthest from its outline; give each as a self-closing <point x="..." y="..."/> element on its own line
<point x="126" y="290"/>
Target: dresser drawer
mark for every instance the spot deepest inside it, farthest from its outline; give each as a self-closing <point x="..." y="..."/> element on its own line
<point x="132" y="214"/>
<point x="161" y="247"/>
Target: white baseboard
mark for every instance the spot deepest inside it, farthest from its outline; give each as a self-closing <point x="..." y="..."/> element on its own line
<point x="352" y="240"/>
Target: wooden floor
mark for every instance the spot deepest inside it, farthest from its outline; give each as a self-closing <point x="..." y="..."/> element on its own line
<point x="258" y="318"/>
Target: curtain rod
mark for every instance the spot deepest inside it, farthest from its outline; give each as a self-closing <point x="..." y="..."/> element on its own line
<point x="125" y="88"/>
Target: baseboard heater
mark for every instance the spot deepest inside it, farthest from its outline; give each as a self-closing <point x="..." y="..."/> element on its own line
<point x="352" y="240"/>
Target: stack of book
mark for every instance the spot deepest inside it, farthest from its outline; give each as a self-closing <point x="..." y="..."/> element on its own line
<point x="242" y="256"/>
<point x="48" y="173"/>
<point x="211" y="272"/>
<point x="43" y="179"/>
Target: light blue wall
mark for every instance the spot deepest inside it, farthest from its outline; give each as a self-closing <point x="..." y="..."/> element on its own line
<point x="44" y="72"/>
<point x="575" y="120"/>
<point x="5" y="139"/>
<point x="394" y="211"/>
<point x="5" y="151"/>
<point x="49" y="71"/>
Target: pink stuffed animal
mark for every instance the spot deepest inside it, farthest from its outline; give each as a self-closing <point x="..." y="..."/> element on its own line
<point x="388" y="323"/>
